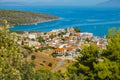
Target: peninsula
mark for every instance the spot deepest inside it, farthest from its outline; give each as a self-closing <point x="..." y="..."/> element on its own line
<point x="23" y="18"/>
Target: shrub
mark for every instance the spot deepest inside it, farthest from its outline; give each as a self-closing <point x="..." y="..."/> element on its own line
<point x="33" y="57"/>
<point x="50" y="64"/>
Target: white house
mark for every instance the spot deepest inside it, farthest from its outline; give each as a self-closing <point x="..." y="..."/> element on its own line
<point x="32" y="36"/>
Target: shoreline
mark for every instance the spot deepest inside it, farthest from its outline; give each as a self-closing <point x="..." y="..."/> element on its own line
<point x="35" y="22"/>
<point x="39" y="22"/>
<point x="33" y="31"/>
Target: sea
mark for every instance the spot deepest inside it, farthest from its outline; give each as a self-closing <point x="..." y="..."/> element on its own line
<point x="89" y="19"/>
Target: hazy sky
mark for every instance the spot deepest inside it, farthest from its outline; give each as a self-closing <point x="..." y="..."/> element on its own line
<point x="53" y="2"/>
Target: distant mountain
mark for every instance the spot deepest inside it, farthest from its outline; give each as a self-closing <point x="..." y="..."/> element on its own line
<point x="12" y="3"/>
<point x="110" y="3"/>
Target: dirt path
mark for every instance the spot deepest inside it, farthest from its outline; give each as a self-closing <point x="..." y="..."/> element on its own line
<point x="59" y="64"/>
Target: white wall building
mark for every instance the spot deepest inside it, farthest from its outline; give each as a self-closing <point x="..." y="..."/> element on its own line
<point x="32" y="36"/>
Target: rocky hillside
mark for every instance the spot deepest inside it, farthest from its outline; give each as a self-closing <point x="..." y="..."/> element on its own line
<point x="110" y="3"/>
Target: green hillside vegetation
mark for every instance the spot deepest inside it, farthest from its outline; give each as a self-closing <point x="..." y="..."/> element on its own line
<point x="21" y="17"/>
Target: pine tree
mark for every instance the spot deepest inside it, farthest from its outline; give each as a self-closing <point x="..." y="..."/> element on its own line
<point x="11" y="59"/>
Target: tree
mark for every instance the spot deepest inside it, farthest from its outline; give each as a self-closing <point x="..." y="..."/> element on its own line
<point x="41" y="40"/>
<point x="96" y="64"/>
<point x="107" y="70"/>
<point x="52" y="36"/>
<point x="57" y="76"/>
<point x="11" y="59"/>
<point x="43" y="74"/>
<point x="4" y="23"/>
<point x="27" y="72"/>
<point x="113" y="47"/>
<point x="77" y="30"/>
<point x="84" y="65"/>
<point x="87" y="39"/>
<point x="33" y="57"/>
<point x="50" y="64"/>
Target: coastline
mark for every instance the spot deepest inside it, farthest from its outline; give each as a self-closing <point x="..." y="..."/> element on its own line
<point x="35" y="22"/>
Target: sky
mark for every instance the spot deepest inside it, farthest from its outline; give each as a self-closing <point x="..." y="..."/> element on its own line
<point x="52" y="2"/>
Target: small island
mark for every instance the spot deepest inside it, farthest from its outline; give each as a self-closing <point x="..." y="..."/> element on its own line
<point x="23" y="18"/>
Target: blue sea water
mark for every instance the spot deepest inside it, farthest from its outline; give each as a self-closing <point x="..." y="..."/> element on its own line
<point x="95" y="20"/>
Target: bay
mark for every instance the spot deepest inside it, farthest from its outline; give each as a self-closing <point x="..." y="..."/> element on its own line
<point x="89" y="19"/>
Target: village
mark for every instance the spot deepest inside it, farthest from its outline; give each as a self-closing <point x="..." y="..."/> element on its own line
<point x="66" y="43"/>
